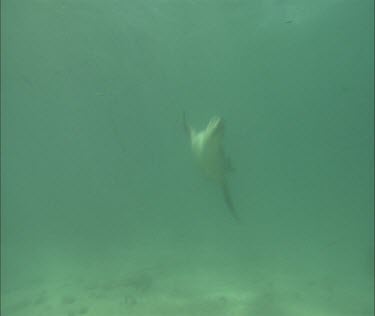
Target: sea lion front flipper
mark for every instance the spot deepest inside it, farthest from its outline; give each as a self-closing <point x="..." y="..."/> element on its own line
<point x="229" y="201"/>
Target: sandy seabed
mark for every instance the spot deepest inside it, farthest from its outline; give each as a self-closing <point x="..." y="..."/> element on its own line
<point x="182" y="290"/>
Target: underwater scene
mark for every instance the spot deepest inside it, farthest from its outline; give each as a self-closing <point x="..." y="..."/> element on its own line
<point x="187" y="158"/>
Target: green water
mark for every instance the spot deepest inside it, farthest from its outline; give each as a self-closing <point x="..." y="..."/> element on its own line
<point x="98" y="179"/>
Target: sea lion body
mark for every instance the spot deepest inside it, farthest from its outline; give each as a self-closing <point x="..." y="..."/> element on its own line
<point x="208" y="151"/>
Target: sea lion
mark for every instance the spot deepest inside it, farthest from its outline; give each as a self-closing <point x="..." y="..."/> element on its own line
<point x="208" y="151"/>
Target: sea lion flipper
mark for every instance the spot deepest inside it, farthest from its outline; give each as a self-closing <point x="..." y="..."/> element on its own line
<point x="229" y="201"/>
<point x="227" y="161"/>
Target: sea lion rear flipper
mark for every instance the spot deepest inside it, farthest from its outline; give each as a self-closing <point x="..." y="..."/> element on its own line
<point x="229" y="201"/>
<point x="228" y="163"/>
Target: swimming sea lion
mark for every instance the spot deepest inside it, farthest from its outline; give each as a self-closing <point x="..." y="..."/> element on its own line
<point x="208" y="151"/>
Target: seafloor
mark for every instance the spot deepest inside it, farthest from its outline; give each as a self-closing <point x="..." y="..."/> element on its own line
<point x="124" y="287"/>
